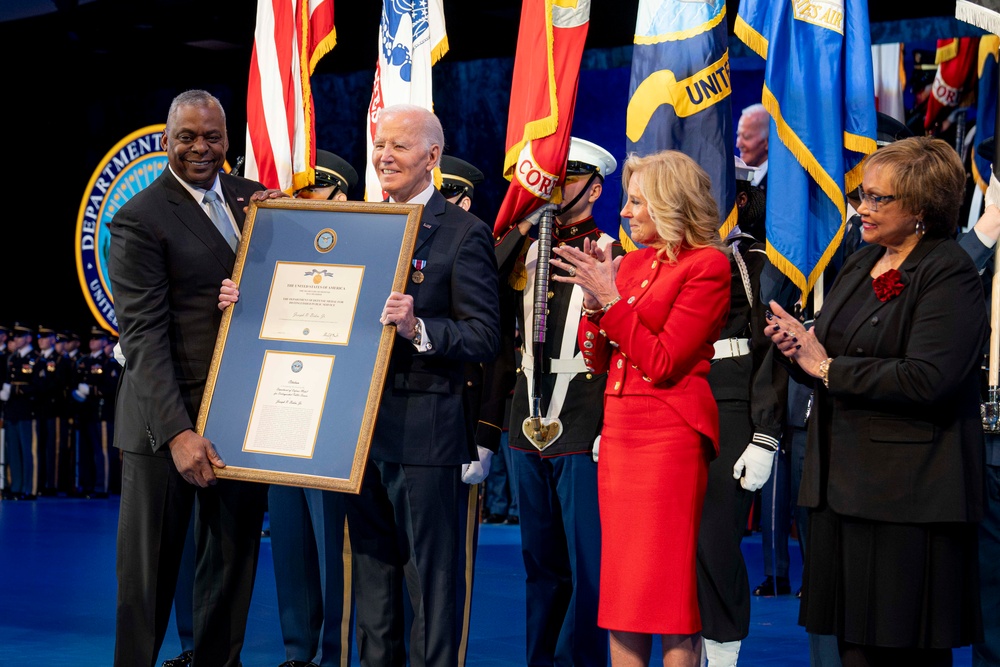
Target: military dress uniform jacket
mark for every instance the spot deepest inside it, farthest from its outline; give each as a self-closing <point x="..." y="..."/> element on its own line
<point x="21" y="374"/>
<point x="101" y="373"/>
<point x="900" y="419"/>
<point x="54" y="377"/>
<point x="582" y="410"/>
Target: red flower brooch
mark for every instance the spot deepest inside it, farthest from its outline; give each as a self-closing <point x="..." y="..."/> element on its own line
<point x="888" y="285"/>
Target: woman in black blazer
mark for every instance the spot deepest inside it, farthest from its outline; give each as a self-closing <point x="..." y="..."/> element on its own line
<point x="894" y="475"/>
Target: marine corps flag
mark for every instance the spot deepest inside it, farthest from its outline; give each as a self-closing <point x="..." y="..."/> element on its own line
<point x="679" y="96"/>
<point x="956" y="58"/>
<point x="412" y="38"/>
<point x="819" y="91"/>
<point x="290" y="38"/>
<point x="542" y="100"/>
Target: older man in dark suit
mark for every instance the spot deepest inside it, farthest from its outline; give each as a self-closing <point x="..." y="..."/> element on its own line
<point x="404" y="522"/>
<point x="172" y="244"/>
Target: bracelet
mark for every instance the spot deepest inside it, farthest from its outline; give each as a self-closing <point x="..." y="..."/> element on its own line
<point x="824" y="371"/>
<point x="608" y="305"/>
<point x="591" y="312"/>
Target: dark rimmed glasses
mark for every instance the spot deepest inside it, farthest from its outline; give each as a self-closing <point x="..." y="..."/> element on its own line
<point x="874" y="201"/>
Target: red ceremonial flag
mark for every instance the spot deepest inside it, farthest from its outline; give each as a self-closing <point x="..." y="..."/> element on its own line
<point x="542" y="100"/>
<point x="956" y="61"/>
<point x="290" y="38"/>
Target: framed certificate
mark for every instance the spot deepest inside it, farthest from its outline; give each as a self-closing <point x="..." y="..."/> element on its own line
<point x="301" y="359"/>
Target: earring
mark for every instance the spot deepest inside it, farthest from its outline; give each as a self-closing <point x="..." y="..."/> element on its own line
<point x="919" y="229"/>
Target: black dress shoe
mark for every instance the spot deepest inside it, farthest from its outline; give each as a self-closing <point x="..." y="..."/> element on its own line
<point x="512" y="521"/>
<point x="494" y="518"/>
<point x="771" y="587"/>
<point x="183" y="660"/>
<point x="297" y="663"/>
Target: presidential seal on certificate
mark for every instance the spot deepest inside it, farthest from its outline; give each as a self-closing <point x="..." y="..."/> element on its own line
<point x="301" y="359"/>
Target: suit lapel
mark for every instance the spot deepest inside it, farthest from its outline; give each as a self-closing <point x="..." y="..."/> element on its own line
<point x="434" y="209"/>
<point x="194" y="218"/>
<point x="852" y="277"/>
<point x="860" y="278"/>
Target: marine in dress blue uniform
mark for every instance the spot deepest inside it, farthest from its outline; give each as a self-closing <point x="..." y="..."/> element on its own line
<point x="557" y="486"/>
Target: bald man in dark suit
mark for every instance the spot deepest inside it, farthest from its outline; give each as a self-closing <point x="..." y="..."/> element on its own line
<point x="168" y="257"/>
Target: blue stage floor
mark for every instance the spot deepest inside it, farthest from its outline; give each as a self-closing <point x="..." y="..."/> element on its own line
<point x="57" y="595"/>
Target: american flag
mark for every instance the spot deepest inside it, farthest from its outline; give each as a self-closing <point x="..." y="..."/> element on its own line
<point x="290" y="38"/>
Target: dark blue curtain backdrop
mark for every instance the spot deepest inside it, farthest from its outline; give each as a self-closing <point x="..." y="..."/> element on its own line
<point x="472" y="99"/>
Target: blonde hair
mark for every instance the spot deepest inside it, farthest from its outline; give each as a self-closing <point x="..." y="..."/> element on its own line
<point x="678" y="196"/>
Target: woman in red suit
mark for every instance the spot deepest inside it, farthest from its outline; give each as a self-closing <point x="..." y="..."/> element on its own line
<point x="650" y="320"/>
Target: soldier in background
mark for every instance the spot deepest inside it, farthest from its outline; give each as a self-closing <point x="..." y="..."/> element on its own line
<point x="97" y="382"/>
<point x="4" y="471"/>
<point x="19" y="414"/>
<point x="308" y="526"/>
<point x="52" y="381"/>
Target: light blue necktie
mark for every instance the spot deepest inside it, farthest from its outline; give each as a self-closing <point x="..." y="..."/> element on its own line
<point x="217" y="211"/>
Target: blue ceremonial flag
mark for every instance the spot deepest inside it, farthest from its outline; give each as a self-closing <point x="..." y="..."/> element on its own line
<point x="819" y="91"/>
<point x="986" y="106"/>
<point x="679" y="96"/>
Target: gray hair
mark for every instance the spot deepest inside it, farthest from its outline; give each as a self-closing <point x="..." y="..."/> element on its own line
<point x="194" y="98"/>
<point x="429" y="124"/>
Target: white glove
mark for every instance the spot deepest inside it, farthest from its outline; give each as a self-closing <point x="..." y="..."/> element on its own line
<point x="475" y="472"/>
<point x="992" y="196"/>
<point x="119" y="355"/>
<point x="536" y="216"/>
<point x="82" y="392"/>
<point x="597" y="448"/>
<point x="5" y="392"/>
<point x="753" y="468"/>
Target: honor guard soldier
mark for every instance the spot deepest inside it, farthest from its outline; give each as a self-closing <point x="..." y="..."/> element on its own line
<point x="459" y="180"/>
<point x="308" y="526"/>
<point x="458" y="185"/>
<point x="308" y="532"/>
<point x="97" y="381"/>
<point x="20" y="432"/>
<point x="67" y="344"/>
<point x="557" y="479"/>
<point x="53" y="378"/>
<point x="334" y="178"/>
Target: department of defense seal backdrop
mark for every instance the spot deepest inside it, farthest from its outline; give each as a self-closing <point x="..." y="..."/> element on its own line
<point x="131" y="165"/>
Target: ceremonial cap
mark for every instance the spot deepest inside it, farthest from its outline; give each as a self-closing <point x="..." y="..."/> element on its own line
<point x="332" y="169"/>
<point x="585" y="157"/>
<point x="458" y="175"/>
<point x="744" y="172"/>
<point x="98" y="332"/>
<point x="62" y="336"/>
<point x="45" y="331"/>
<point x="20" y="329"/>
<point x="888" y="130"/>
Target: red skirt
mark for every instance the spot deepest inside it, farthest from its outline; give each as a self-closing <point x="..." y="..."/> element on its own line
<point x="651" y="474"/>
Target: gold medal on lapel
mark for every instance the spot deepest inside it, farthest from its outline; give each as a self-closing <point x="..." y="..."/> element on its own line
<point x="417" y="277"/>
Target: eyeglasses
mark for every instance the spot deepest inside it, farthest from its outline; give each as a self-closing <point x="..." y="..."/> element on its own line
<point x="874" y="201"/>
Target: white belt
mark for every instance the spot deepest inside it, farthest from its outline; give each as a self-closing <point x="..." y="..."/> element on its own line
<point x="731" y="347"/>
<point x="572" y="365"/>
